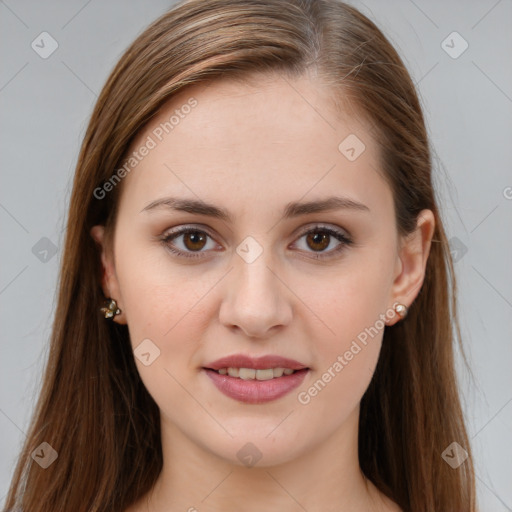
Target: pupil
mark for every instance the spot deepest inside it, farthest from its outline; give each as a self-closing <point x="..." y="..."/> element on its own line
<point x="322" y="239"/>
<point x="194" y="237"/>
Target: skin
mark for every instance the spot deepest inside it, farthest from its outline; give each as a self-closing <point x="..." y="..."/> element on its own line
<point x="252" y="149"/>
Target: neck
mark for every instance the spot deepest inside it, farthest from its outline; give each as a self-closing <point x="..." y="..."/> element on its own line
<point x="326" y="477"/>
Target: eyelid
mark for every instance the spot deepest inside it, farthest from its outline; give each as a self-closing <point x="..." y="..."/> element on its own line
<point x="299" y="232"/>
<point x="181" y="230"/>
<point x="322" y="225"/>
<point x="341" y="234"/>
<point x="187" y="227"/>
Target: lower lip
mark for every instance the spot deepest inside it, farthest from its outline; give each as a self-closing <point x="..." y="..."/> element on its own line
<point x="256" y="391"/>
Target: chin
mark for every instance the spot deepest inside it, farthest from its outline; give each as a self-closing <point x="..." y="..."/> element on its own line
<point x="259" y="445"/>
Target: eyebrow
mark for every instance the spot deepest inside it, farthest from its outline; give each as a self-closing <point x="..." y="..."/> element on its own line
<point x="293" y="209"/>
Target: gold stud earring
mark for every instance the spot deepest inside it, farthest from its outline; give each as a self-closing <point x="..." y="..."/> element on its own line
<point x="401" y="310"/>
<point x="110" y="309"/>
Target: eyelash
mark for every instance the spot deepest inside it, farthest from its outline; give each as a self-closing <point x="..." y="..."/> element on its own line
<point x="340" y="236"/>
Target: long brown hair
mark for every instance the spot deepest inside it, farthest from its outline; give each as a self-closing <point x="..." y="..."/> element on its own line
<point x="94" y="409"/>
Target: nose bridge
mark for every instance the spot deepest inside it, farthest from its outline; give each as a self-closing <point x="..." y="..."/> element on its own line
<point x="253" y="260"/>
<point x="254" y="278"/>
<point x="256" y="299"/>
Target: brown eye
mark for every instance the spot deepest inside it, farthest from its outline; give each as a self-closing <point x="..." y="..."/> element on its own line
<point x="188" y="242"/>
<point x="194" y="240"/>
<point x="193" y="243"/>
<point x="318" y="240"/>
<point x="323" y="242"/>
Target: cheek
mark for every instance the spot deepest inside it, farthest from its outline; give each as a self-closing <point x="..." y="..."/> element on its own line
<point x="155" y="294"/>
<point x="348" y="301"/>
<point x="352" y="306"/>
<point x="160" y="304"/>
<point x="345" y="361"/>
<point x="166" y="309"/>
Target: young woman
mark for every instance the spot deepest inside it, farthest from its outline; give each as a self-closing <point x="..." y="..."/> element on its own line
<point x="253" y="200"/>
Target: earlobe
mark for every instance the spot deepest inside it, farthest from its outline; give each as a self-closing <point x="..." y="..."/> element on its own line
<point x="413" y="257"/>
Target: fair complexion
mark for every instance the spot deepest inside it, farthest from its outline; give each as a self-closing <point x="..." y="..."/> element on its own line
<point x="251" y="150"/>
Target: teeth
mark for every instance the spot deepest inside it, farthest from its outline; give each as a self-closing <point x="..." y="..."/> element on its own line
<point x="252" y="374"/>
<point x="265" y="374"/>
<point x="278" y="372"/>
<point x="246" y="373"/>
<point x="233" y="372"/>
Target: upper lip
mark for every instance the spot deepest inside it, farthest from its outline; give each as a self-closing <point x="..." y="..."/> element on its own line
<point x="257" y="363"/>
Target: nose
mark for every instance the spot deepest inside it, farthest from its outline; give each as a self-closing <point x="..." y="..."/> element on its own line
<point x="256" y="300"/>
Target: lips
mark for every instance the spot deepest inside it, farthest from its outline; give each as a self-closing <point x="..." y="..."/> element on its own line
<point x="238" y="377"/>
<point x="256" y="363"/>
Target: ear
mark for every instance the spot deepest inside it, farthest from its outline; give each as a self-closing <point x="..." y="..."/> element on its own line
<point x="412" y="262"/>
<point x="109" y="282"/>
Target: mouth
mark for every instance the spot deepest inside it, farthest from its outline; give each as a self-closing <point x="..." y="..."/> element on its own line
<point x="255" y="380"/>
<point x="255" y="374"/>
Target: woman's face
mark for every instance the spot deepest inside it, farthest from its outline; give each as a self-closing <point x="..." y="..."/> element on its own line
<point x="271" y="279"/>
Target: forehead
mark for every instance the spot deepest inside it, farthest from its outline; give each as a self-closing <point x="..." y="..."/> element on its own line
<point x="268" y="139"/>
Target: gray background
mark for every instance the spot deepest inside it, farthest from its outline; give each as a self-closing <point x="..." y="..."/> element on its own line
<point x="45" y="105"/>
